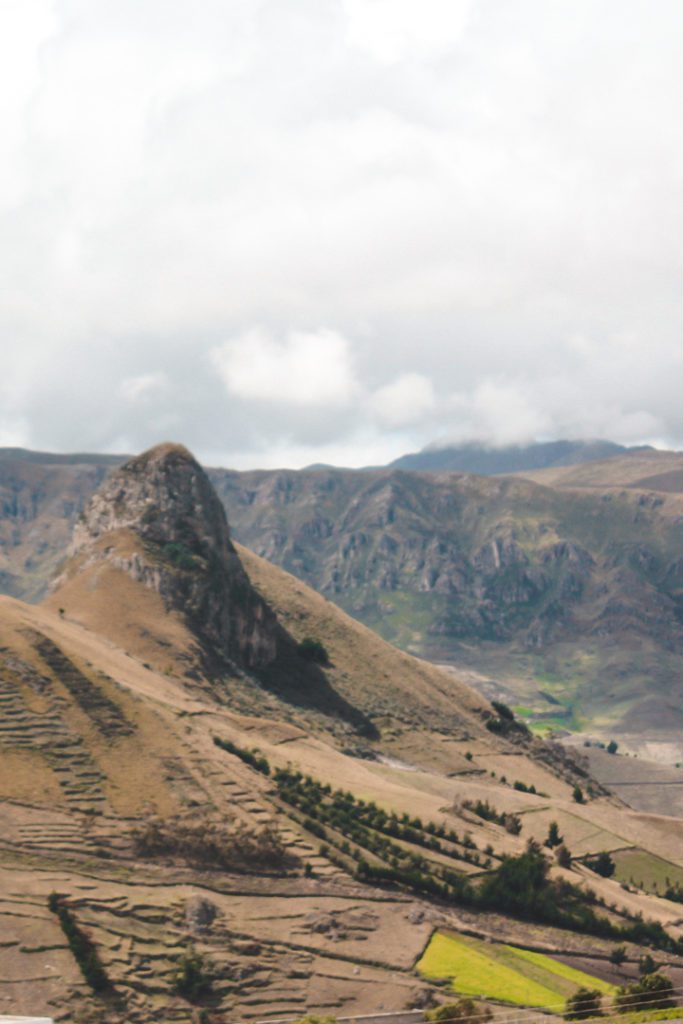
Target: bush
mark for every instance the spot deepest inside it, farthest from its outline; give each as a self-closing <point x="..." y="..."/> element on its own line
<point x="612" y="747"/>
<point x="81" y="945"/>
<point x="250" y="757"/>
<point x="554" y="838"/>
<point x="602" y="864"/>
<point x="503" y="710"/>
<point x="563" y="856"/>
<point x="208" y="845"/>
<point x="653" y="991"/>
<point x="618" y="955"/>
<point x="464" y="1010"/>
<point x="180" y="556"/>
<point x="192" y="979"/>
<point x="584" y="1003"/>
<point x="313" y="650"/>
<point x="577" y="795"/>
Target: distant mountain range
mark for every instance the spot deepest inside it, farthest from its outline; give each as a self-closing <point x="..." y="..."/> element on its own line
<point x="485" y="460"/>
<point x="561" y="593"/>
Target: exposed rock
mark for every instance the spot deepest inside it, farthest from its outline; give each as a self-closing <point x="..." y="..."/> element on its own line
<point x="184" y="552"/>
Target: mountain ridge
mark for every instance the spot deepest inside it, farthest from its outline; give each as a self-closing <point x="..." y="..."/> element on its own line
<point x="170" y="808"/>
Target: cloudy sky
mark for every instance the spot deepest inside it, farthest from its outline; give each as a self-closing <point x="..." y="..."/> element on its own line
<point x="289" y="231"/>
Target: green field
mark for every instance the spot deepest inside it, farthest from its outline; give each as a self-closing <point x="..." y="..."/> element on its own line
<point x="502" y="972"/>
<point x="645" y="870"/>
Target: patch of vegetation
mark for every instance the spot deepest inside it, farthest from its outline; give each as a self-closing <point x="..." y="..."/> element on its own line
<point x="192" y="979"/>
<point x="564" y="971"/>
<point x="313" y="650"/>
<point x="250" y="757"/>
<point x="81" y="945"/>
<point x="602" y="864"/>
<point x="180" y="556"/>
<point x="206" y="844"/>
<point x="652" y="990"/>
<point x="650" y="873"/>
<point x="504" y="722"/>
<point x="512" y="823"/>
<point x="583" y="1004"/>
<point x="369" y="831"/>
<point x="465" y="1010"/>
<point x="503" y="972"/>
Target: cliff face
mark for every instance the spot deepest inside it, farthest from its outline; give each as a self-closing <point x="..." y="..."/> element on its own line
<point x="181" y="549"/>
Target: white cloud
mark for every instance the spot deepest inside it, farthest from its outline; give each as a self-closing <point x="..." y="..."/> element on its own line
<point x="477" y="199"/>
<point x="144" y="386"/>
<point x="305" y="368"/>
<point x="394" y="29"/>
<point x="406" y="400"/>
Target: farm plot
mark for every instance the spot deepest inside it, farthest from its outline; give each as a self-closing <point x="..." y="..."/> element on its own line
<point x="503" y="972"/>
<point x="647" y="871"/>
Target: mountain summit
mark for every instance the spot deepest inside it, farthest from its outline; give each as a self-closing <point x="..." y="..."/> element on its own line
<point x="158" y="520"/>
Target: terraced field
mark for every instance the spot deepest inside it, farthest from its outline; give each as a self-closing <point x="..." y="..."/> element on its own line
<point x="502" y="972"/>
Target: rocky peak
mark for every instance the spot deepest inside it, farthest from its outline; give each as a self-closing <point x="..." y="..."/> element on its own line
<point x="165" y="501"/>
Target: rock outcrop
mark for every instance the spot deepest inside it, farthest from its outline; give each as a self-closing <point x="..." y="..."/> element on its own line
<point x="181" y="549"/>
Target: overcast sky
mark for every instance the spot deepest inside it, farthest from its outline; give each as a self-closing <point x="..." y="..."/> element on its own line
<point x="290" y="231"/>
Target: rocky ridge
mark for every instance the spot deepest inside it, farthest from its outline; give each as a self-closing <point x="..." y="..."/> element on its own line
<point x="184" y="551"/>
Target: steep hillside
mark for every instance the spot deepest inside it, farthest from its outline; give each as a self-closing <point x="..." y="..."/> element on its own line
<point x="188" y="834"/>
<point x="571" y="602"/>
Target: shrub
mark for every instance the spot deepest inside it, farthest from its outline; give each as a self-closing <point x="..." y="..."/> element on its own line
<point x="584" y="1003"/>
<point x="618" y="955"/>
<point x="313" y="650"/>
<point x="563" y="856"/>
<point x="180" y="556"/>
<point x="577" y="795"/>
<point x="653" y="991"/>
<point x="602" y="864"/>
<point x="464" y="1010"/>
<point x="192" y="978"/>
<point x="554" y="838"/>
<point x="208" y="845"/>
<point x="250" y="757"/>
<point x="612" y="747"/>
<point x="81" y="945"/>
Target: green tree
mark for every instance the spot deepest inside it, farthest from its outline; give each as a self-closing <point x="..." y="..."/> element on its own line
<point x="563" y="856"/>
<point x="577" y="795"/>
<point x="192" y="978"/>
<point x="612" y="747"/>
<point x="653" y="991"/>
<point x="553" y="838"/>
<point x="602" y="864"/>
<point x="584" y="1003"/>
<point x="618" y="955"/>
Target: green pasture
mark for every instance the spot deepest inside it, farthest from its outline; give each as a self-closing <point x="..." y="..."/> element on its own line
<point x="503" y="972"/>
<point x="647" y="871"/>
